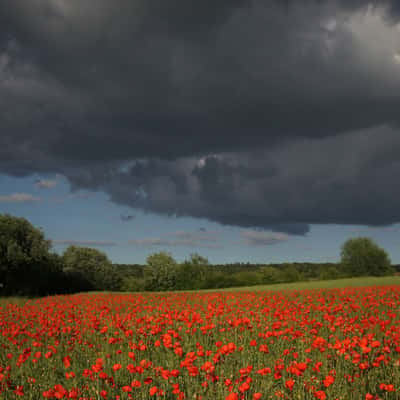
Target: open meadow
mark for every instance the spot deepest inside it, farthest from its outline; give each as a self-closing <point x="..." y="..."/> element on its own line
<point x="199" y="200"/>
<point x="313" y="343"/>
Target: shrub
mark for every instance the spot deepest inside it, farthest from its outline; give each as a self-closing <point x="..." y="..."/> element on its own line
<point x="361" y="256"/>
<point x="160" y="272"/>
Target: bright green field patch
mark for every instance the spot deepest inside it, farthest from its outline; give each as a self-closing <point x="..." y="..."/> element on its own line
<point x="337" y="283"/>
<point x="329" y="284"/>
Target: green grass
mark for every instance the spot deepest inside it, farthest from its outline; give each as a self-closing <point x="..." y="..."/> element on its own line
<point x="307" y="285"/>
<point x="329" y="284"/>
<point x="20" y="301"/>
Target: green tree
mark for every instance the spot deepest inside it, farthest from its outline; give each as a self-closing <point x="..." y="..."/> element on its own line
<point x="26" y="265"/>
<point x="217" y="279"/>
<point x="270" y="275"/>
<point x="362" y="256"/>
<point x="327" y="273"/>
<point x="289" y="273"/>
<point x="247" y="278"/>
<point x="91" y="267"/>
<point x="160" y="272"/>
<point x="131" y="284"/>
<point x="191" y="273"/>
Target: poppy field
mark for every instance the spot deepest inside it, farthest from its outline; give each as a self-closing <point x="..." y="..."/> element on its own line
<point x="312" y="344"/>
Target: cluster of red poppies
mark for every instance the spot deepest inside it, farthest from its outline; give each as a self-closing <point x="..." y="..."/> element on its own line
<point x="327" y="344"/>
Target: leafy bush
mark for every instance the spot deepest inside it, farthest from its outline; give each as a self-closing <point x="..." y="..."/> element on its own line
<point x="329" y="273"/>
<point x="131" y="284"/>
<point x="270" y="275"/>
<point x="247" y="278"/>
<point x="91" y="267"/>
<point x="160" y="272"/>
<point x="26" y="265"/>
<point x="290" y="274"/>
<point x="362" y="256"/>
<point x="191" y="273"/>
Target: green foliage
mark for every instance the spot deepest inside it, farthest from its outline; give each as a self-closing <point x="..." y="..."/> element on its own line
<point x="247" y="278"/>
<point x="91" y="267"/>
<point x="329" y="273"/>
<point x="290" y="273"/>
<point x="191" y="273"/>
<point x="362" y="257"/>
<point x="134" y="270"/>
<point x="218" y="280"/>
<point x="131" y="284"/>
<point x="26" y="265"/>
<point x="269" y="275"/>
<point x="28" y="268"/>
<point x="160" y="272"/>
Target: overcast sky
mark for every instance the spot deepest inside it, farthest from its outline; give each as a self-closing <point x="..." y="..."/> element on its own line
<point x="262" y="130"/>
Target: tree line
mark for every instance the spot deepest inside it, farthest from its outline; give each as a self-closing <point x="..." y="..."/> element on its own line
<point x="28" y="267"/>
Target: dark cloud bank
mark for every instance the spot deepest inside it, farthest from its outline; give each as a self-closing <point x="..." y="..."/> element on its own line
<point x="268" y="114"/>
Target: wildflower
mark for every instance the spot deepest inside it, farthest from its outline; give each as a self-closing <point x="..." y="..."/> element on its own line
<point x="67" y="361"/>
<point x="320" y="395"/>
<point x="289" y="384"/>
<point x="329" y="380"/>
<point x="153" y="390"/>
<point x="19" y="391"/>
<point x="117" y="367"/>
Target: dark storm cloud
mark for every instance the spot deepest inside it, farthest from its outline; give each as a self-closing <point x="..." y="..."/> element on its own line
<point x="198" y="98"/>
<point x="343" y="179"/>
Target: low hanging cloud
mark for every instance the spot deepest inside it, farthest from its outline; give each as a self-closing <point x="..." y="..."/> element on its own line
<point x="84" y="243"/>
<point x="260" y="238"/>
<point x="209" y="236"/>
<point x="343" y="179"/>
<point x="80" y="195"/>
<point x="127" y="217"/>
<point x="260" y="114"/>
<point x="45" y="184"/>
<point x="180" y="238"/>
<point x="18" y="198"/>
